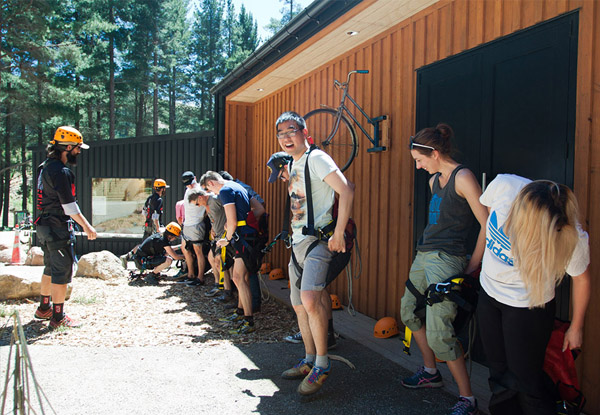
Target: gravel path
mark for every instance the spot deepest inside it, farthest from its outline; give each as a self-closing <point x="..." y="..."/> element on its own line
<point x="120" y="313"/>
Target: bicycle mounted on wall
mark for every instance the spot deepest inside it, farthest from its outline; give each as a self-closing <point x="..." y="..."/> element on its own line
<point x="339" y="134"/>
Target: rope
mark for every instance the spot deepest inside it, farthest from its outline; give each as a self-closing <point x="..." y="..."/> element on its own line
<point x="343" y="360"/>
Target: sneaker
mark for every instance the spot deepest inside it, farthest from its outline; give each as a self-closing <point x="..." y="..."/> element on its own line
<point x="464" y="407"/>
<point x="232" y="318"/>
<point x="244" y="328"/>
<point x="186" y="280"/>
<point x="214" y="291"/>
<point x="314" y="380"/>
<point x="294" y="338"/>
<point x="43" y="314"/>
<point x="195" y="282"/>
<point x="225" y="298"/>
<point x="66" y="322"/>
<point x="299" y="370"/>
<point x="124" y="259"/>
<point x="422" y="379"/>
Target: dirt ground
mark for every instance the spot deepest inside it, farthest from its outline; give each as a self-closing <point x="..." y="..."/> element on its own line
<point x="123" y="313"/>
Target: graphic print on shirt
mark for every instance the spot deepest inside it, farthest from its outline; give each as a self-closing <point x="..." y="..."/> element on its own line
<point x="434" y="209"/>
<point x="297" y="199"/>
<point x="497" y="241"/>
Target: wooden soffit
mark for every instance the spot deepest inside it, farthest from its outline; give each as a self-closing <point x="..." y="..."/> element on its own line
<point x="368" y="19"/>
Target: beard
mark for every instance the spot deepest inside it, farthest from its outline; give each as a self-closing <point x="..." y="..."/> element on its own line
<point x="72" y="159"/>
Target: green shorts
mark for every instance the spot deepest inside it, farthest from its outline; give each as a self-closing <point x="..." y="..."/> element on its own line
<point x="429" y="268"/>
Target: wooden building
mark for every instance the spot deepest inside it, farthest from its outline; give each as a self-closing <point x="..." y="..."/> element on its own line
<point x="519" y="80"/>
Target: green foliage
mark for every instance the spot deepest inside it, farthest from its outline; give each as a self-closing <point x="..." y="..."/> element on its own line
<point x="141" y="66"/>
<point x="290" y="9"/>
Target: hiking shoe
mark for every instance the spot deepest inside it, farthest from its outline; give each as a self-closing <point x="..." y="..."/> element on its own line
<point x="214" y="291"/>
<point x="299" y="370"/>
<point x="464" y="407"/>
<point x="314" y="380"/>
<point x="43" y="314"/>
<point x="195" y="282"/>
<point x="124" y="259"/>
<point x="244" y="328"/>
<point x="232" y="318"/>
<point x="152" y="279"/>
<point x="422" y="379"/>
<point x="294" y="338"/>
<point x="66" y="322"/>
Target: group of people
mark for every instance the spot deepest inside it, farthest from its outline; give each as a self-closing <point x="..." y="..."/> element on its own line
<point x="530" y="236"/>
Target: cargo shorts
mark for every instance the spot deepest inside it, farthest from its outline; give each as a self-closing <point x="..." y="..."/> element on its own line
<point x="315" y="265"/>
<point x="431" y="267"/>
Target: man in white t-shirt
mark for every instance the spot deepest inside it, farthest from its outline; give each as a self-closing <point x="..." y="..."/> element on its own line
<point x="193" y="232"/>
<point x="307" y="294"/>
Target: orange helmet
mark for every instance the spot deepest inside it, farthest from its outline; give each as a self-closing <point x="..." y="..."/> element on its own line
<point x="160" y="183"/>
<point x="265" y="268"/>
<point x="173" y="228"/>
<point x="335" y="302"/>
<point x="386" y="327"/>
<point x="276" y="274"/>
<point x="66" y="135"/>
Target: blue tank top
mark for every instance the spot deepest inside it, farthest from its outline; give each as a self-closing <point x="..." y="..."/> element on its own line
<point x="450" y="219"/>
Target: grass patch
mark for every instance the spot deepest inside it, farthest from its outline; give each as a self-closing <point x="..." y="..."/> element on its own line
<point x="86" y="300"/>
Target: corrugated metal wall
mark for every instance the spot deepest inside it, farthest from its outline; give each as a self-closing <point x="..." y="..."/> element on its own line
<point x="144" y="157"/>
<point x="384" y="181"/>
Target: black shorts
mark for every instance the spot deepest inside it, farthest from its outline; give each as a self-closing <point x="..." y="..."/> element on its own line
<point x="229" y="254"/>
<point x="149" y="262"/>
<point x="59" y="255"/>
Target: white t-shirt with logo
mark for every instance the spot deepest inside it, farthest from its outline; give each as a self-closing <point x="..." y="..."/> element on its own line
<point x="193" y="214"/>
<point x="323" y="195"/>
<point x="499" y="277"/>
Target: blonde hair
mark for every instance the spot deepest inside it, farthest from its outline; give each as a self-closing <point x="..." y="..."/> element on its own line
<point x="542" y="227"/>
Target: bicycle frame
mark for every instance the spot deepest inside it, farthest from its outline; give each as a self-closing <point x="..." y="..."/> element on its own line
<point x="376" y="140"/>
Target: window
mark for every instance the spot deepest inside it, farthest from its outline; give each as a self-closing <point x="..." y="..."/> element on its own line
<point x="117" y="204"/>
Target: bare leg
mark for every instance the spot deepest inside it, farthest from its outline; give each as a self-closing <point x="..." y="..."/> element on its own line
<point x="189" y="260"/>
<point x="317" y="319"/>
<point x="420" y="337"/>
<point x="307" y="339"/>
<point x="240" y="279"/>
<point x="201" y="261"/>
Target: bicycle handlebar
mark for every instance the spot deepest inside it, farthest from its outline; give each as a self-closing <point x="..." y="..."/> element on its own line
<point x="362" y="71"/>
<point x="338" y="84"/>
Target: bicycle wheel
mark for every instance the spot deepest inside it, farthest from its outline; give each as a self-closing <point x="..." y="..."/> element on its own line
<point x="334" y="134"/>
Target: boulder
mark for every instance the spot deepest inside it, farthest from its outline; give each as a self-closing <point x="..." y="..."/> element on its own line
<point x="35" y="256"/>
<point x="6" y="255"/>
<point x="16" y="287"/>
<point x="104" y="265"/>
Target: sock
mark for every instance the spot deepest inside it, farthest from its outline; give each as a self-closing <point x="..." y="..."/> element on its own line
<point x="330" y="326"/>
<point x="310" y="358"/>
<point x="431" y="371"/>
<point x="44" y="302"/>
<point x="239" y="311"/>
<point x="249" y="319"/>
<point x="470" y="398"/>
<point x="322" y="361"/>
<point x="58" y="312"/>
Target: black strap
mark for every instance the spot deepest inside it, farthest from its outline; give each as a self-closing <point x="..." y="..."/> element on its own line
<point x="310" y="223"/>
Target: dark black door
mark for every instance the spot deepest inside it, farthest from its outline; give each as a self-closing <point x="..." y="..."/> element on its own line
<point x="511" y="104"/>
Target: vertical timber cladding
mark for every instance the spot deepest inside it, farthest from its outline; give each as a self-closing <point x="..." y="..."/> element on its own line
<point x="384" y="181"/>
<point x="165" y="156"/>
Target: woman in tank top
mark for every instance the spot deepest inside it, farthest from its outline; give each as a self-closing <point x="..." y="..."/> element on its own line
<point x="442" y="253"/>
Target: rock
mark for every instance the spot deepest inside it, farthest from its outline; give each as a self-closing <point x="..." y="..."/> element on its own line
<point x="104" y="265"/>
<point x="35" y="256"/>
<point x="6" y="255"/>
<point x="16" y="287"/>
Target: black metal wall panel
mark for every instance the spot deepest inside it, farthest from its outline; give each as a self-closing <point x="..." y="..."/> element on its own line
<point x="165" y="156"/>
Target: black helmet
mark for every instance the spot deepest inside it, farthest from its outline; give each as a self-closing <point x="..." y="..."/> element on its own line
<point x="187" y="178"/>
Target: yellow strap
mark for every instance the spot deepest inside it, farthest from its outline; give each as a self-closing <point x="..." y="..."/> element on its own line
<point x="407" y="339"/>
<point x="241" y="223"/>
<point x="221" y="271"/>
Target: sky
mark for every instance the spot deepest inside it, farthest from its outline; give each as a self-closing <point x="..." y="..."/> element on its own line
<point x="262" y="11"/>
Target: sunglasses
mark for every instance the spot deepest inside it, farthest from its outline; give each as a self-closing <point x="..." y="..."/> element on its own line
<point x="413" y="145"/>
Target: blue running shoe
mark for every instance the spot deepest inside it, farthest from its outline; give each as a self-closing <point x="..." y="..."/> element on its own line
<point x="422" y="379"/>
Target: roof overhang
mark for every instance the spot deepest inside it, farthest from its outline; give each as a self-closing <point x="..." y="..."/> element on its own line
<point x="359" y="22"/>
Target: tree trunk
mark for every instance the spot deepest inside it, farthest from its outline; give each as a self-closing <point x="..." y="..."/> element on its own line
<point x="172" y="101"/>
<point x="24" y="168"/>
<point x="111" y="82"/>
<point x="155" y="97"/>
<point x="6" y="189"/>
